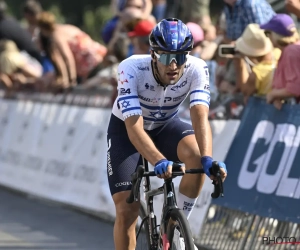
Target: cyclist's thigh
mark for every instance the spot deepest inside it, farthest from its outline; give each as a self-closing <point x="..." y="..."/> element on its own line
<point x="170" y="135"/>
<point x="122" y="157"/>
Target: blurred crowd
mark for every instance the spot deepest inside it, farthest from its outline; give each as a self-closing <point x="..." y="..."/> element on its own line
<point x="248" y="48"/>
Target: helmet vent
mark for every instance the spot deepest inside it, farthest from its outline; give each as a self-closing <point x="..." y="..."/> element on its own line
<point x="162" y="41"/>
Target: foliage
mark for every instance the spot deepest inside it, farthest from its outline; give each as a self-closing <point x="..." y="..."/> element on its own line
<point x="93" y="20"/>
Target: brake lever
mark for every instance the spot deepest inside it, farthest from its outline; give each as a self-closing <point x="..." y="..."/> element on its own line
<point x="218" y="184"/>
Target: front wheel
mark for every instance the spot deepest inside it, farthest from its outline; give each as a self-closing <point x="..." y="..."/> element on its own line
<point x="178" y="231"/>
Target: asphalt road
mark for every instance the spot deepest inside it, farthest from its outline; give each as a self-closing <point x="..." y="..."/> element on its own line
<point x="31" y="224"/>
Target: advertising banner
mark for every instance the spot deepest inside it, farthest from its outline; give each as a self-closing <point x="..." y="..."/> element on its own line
<point x="263" y="162"/>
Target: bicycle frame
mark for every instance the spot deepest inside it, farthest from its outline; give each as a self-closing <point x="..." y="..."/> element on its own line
<point x="169" y="203"/>
<point x="169" y="197"/>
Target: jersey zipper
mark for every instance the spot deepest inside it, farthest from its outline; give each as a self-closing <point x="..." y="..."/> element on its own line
<point x="163" y="98"/>
<point x="163" y="95"/>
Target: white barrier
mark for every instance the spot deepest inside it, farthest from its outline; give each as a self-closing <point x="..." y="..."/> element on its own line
<point x="58" y="152"/>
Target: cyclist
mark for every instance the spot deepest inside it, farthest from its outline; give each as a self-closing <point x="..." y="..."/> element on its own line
<point x="144" y="122"/>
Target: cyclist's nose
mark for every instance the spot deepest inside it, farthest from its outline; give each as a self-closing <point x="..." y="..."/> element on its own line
<point x="173" y="65"/>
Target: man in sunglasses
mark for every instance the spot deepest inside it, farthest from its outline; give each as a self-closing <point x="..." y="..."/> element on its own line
<point x="144" y="121"/>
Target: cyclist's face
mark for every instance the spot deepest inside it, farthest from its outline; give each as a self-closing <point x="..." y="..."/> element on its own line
<point x="169" y="69"/>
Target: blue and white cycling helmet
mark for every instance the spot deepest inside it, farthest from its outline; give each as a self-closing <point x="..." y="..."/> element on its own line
<point x="171" y="35"/>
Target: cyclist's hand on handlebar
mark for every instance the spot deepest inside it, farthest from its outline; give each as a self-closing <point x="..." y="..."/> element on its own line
<point x="207" y="163"/>
<point x="163" y="169"/>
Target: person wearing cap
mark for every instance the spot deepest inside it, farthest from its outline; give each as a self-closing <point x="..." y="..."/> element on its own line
<point x="257" y="49"/>
<point x="284" y="35"/>
<point x="140" y="36"/>
<point x="240" y="13"/>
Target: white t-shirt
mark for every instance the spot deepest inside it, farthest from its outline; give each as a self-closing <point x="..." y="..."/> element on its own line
<point x="140" y="94"/>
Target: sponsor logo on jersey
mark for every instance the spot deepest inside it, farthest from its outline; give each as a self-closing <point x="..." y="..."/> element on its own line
<point x="206" y="72"/>
<point x="146" y="99"/>
<point x="181" y="85"/>
<point x="167" y="99"/>
<point x="146" y="68"/>
<point x="151" y="87"/>
<point x="178" y="98"/>
<point x="153" y="100"/>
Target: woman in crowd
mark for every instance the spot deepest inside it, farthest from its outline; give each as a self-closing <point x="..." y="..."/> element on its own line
<point x="76" y="56"/>
<point x="257" y="50"/>
<point x="284" y="35"/>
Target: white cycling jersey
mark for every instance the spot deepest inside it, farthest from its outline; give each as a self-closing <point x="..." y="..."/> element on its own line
<point x="140" y="94"/>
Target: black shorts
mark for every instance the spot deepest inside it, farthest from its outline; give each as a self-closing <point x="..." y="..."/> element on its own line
<point x="123" y="158"/>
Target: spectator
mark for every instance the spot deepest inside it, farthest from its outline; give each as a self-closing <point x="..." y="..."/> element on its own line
<point x="145" y="6"/>
<point x="284" y="35"/>
<point x="240" y="13"/>
<point x="205" y="49"/>
<point x="49" y="80"/>
<point x="140" y="37"/>
<point x="196" y="11"/>
<point x="17" y="68"/>
<point x="125" y="23"/>
<point x="74" y="50"/>
<point x="293" y="6"/>
<point x="126" y="13"/>
<point x="255" y="47"/>
<point x="31" y="10"/>
<point x="198" y="35"/>
<point x="159" y="9"/>
<point x="10" y="29"/>
<point x="108" y="75"/>
<point x="211" y="42"/>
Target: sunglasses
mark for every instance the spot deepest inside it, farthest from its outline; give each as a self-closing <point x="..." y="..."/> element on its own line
<point x="166" y="59"/>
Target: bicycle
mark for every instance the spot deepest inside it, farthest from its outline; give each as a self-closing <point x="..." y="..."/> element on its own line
<point x="173" y="219"/>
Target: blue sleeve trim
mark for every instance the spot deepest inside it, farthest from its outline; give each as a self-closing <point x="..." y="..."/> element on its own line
<point x="199" y="100"/>
<point x="128" y="97"/>
<point x="129" y="109"/>
<point x="201" y="91"/>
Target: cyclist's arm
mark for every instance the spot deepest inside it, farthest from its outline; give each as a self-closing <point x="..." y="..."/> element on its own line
<point x="199" y="117"/>
<point x="199" y="107"/>
<point x="140" y="139"/>
<point x="129" y="105"/>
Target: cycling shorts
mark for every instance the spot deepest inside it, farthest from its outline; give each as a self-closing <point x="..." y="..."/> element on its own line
<point x="123" y="158"/>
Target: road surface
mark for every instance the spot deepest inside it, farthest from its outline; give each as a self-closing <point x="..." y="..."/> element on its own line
<point x="30" y="224"/>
